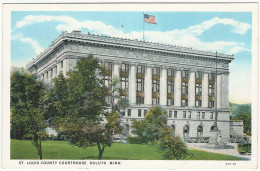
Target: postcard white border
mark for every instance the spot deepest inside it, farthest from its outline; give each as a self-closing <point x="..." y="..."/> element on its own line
<point x="133" y="164"/>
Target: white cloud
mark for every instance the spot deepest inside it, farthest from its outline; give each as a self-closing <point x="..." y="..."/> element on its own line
<point x="183" y="37"/>
<point x="238" y="27"/>
<point x="36" y="46"/>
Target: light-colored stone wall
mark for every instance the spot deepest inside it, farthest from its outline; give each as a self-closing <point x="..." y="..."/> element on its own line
<point x="236" y="128"/>
<point x="163" y="56"/>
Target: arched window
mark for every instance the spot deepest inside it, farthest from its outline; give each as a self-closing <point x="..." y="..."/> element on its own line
<point x="200" y="131"/>
<point x="186" y="131"/>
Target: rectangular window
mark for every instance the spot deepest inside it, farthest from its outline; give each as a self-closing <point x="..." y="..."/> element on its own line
<point x="139" y="112"/>
<point x="211" y="115"/>
<point x="212" y="76"/>
<point x="184" y="102"/>
<point x="211" y="90"/>
<point x="184" y="88"/>
<point x="211" y="104"/>
<point x="170" y="72"/>
<point x="61" y="64"/>
<point x="140" y="84"/>
<point x="124" y="73"/>
<point x="124" y="67"/>
<point x="145" y="111"/>
<point x="198" y="115"/>
<point x="198" y="75"/>
<point x="170" y="101"/>
<point x="184" y="74"/>
<point x="108" y="66"/>
<point x="139" y="100"/>
<point x="140" y="69"/>
<point x="175" y="114"/>
<point x="203" y="115"/>
<point x="124" y="83"/>
<point x="129" y="112"/>
<point x="198" y="89"/>
<point x="156" y="101"/>
<point x="108" y="74"/>
<point x="156" y="71"/>
<point x="47" y="74"/>
<point x="189" y="114"/>
<point x="184" y="114"/>
<point x="52" y="72"/>
<point x="156" y="85"/>
<point x="170" y="114"/>
<point x="198" y="103"/>
<point x="170" y="87"/>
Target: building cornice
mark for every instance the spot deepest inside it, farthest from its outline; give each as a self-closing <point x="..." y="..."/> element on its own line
<point x="77" y="36"/>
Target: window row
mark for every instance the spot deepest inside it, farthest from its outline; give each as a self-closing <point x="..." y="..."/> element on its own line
<point x="140" y="81"/>
<point x="188" y="115"/>
<point x="174" y="114"/>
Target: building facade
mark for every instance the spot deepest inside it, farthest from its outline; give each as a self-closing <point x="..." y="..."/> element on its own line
<point x="181" y="80"/>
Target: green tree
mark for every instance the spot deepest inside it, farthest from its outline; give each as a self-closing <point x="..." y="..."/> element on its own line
<point x="153" y="129"/>
<point x="27" y="95"/>
<point x="242" y="112"/>
<point x="78" y="107"/>
<point x="246" y="118"/>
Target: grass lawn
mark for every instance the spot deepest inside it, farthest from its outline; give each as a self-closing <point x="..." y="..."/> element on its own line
<point x="23" y="149"/>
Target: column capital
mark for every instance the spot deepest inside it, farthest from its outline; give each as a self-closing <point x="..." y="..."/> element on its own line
<point x="164" y="67"/>
<point x="178" y="69"/>
<point x="117" y="62"/>
<point x="149" y="66"/>
<point x="206" y="71"/>
<point x="133" y="63"/>
<point x="192" y="70"/>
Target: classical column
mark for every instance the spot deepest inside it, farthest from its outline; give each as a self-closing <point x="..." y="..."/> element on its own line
<point x="58" y="67"/>
<point x="219" y="90"/>
<point x="191" y="93"/>
<point x="116" y="69"/>
<point x="132" y="88"/>
<point x="50" y="77"/>
<point x="64" y="69"/>
<point x="205" y="90"/>
<point x="177" y="88"/>
<point x="148" y="86"/>
<point x="163" y="87"/>
<point x="225" y="92"/>
<point x="46" y="77"/>
<point x="116" y="75"/>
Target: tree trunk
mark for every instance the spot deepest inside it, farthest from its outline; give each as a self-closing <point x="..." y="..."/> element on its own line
<point x="39" y="148"/>
<point x="100" y="151"/>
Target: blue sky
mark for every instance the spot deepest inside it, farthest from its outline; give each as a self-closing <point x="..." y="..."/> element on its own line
<point x="224" y="32"/>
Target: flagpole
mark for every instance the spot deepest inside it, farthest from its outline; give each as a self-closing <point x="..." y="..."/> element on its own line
<point x="143" y="26"/>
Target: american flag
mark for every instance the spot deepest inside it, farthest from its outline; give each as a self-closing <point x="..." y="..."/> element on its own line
<point x="150" y="19"/>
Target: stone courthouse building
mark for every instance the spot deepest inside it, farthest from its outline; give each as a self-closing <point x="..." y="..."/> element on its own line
<point x="180" y="80"/>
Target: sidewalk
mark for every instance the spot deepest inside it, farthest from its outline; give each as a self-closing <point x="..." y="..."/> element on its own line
<point x="231" y="152"/>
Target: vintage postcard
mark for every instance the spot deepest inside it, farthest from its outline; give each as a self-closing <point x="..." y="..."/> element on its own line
<point x="130" y="86"/>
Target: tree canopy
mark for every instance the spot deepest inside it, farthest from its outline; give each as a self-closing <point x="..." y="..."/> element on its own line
<point x="27" y="110"/>
<point x="153" y="129"/>
<point x="78" y="107"/>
